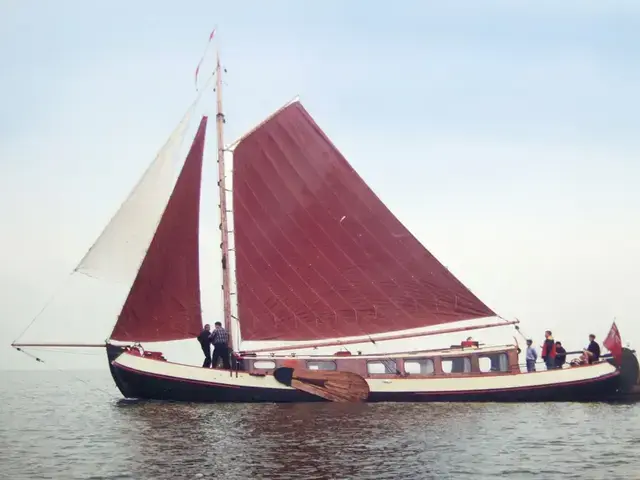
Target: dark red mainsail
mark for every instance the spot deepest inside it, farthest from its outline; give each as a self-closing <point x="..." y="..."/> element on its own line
<point x="318" y="255"/>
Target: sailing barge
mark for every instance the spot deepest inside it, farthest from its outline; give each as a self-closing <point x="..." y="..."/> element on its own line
<point x="311" y="258"/>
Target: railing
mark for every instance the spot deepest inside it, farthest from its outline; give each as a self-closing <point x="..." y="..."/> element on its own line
<point x="523" y="366"/>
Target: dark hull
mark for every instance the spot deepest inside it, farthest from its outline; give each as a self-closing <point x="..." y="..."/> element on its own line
<point x="134" y="384"/>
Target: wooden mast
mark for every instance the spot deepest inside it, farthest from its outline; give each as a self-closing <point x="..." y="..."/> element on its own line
<point x="224" y="228"/>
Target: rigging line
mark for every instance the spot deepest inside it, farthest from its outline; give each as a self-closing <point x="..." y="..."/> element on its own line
<point x="77" y="269"/>
<point x="46" y="305"/>
<point x="69" y="352"/>
<point x="517" y="327"/>
<point x="67" y="372"/>
<point x="189" y="110"/>
<point x="37" y="359"/>
<point x="204" y="54"/>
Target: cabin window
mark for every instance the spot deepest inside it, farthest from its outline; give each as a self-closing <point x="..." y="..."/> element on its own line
<point x="456" y="365"/>
<point x="264" y="364"/>
<point x="382" y="367"/>
<point x="419" y="366"/>
<point x="321" y="365"/>
<point x="498" y="362"/>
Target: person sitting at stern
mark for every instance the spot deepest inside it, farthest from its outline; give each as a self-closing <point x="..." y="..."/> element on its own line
<point x="593" y="350"/>
<point x="561" y="355"/>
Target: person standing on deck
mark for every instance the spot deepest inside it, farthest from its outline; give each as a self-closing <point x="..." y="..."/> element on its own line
<point x="561" y="355"/>
<point x="220" y="340"/>
<point x="531" y="357"/>
<point x="593" y="350"/>
<point x="205" y="342"/>
<point x="549" y="351"/>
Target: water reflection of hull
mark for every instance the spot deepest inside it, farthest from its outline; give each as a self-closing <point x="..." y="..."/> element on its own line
<point x="144" y="378"/>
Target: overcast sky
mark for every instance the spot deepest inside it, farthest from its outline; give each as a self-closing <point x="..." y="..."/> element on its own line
<point x="503" y="134"/>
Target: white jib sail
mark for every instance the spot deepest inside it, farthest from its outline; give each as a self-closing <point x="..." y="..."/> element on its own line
<point x="118" y="252"/>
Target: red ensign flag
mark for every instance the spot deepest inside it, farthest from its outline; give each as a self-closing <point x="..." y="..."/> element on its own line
<point x="613" y="343"/>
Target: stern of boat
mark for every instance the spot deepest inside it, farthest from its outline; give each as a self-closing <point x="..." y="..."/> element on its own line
<point x="629" y="378"/>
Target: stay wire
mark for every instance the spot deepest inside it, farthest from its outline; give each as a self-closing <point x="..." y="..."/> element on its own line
<point x="66" y="372"/>
<point x="46" y="305"/>
<point x="64" y="283"/>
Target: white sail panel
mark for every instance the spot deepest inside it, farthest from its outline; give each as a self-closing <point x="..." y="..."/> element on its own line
<point x="118" y="252"/>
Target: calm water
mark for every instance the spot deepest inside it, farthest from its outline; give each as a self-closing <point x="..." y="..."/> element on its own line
<point x="55" y="426"/>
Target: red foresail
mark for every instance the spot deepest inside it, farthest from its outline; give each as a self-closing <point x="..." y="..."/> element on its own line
<point x="164" y="301"/>
<point x="318" y="255"/>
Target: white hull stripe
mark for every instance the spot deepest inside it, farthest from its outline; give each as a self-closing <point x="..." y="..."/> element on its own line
<point x="435" y="385"/>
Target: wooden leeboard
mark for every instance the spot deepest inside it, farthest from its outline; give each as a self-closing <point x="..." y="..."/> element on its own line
<point x="332" y="386"/>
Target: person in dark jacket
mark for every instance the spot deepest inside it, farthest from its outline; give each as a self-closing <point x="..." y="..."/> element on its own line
<point x="220" y="340"/>
<point x="549" y="351"/>
<point x="593" y="350"/>
<point x="205" y="342"/>
<point x="561" y="355"/>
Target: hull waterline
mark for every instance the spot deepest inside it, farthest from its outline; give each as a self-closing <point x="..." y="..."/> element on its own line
<point x="240" y="387"/>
